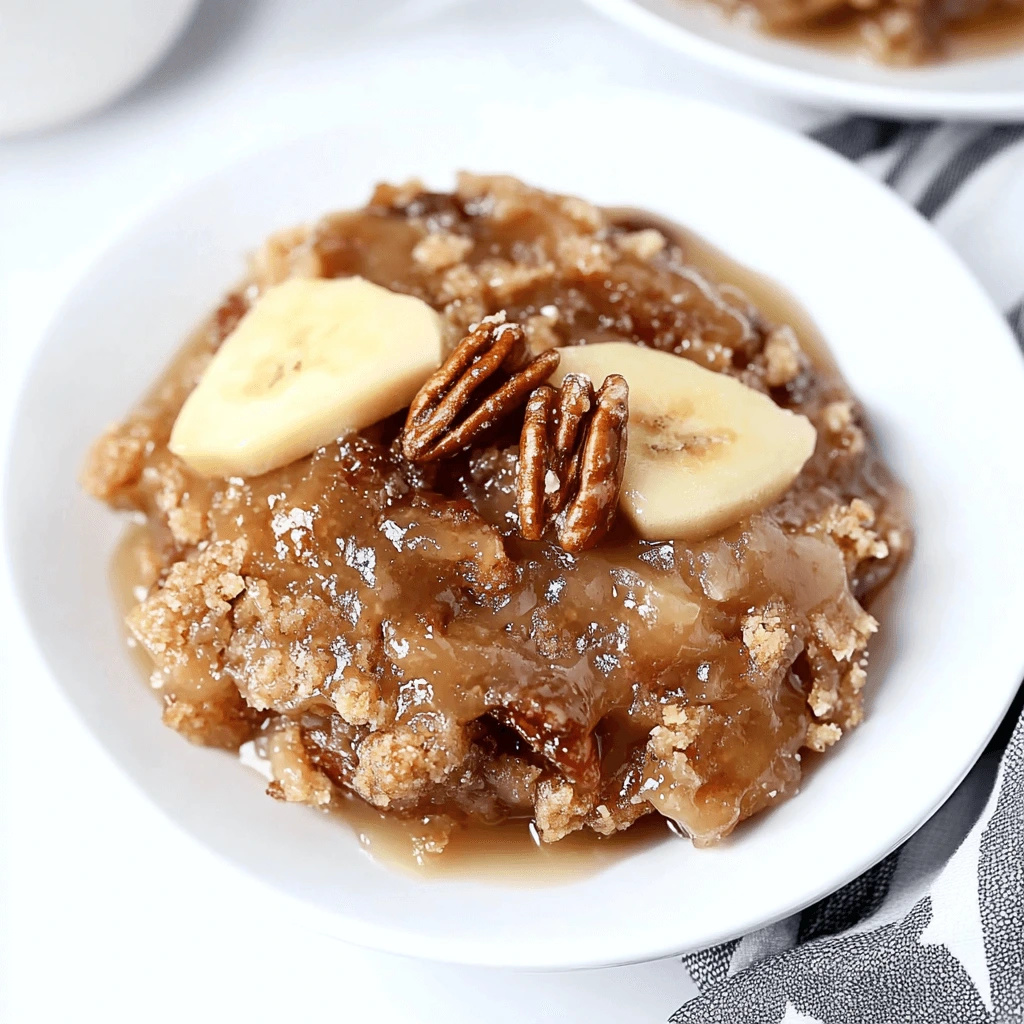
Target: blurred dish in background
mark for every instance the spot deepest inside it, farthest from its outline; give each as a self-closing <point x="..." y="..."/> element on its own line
<point x="975" y="69"/>
<point x="890" y="31"/>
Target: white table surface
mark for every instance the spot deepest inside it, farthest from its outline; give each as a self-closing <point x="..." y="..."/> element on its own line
<point x="108" y="911"/>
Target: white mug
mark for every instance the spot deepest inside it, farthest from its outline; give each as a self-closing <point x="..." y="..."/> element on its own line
<point x="62" y="58"/>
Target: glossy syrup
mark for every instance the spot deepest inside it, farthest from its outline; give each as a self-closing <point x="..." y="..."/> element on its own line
<point x="506" y="854"/>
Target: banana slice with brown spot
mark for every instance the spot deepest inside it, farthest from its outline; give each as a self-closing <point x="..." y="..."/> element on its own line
<point x="312" y="360"/>
<point x="703" y="451"/>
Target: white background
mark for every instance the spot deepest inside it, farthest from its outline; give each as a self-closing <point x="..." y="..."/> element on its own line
<point x="107" y="911"/>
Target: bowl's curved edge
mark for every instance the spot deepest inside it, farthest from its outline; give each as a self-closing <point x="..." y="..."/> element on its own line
<point x="810" y="86"/>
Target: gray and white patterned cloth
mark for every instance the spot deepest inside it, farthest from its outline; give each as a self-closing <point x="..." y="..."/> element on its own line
<point x="934" y="934"/>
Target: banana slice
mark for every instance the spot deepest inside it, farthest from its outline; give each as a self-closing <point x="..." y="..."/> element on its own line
<point x="703" y="449"/>
<point x="310" y="361"/>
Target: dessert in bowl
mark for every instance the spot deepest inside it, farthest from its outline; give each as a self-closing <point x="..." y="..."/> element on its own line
<point x="492" y="506"/>
<point x="934" y="693"/>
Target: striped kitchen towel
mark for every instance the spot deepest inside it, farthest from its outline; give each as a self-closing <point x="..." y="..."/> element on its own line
<point x="934" y="934"/>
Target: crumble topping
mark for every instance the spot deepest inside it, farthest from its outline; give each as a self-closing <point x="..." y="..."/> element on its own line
<point x="585" y="215"/>
<point x="644" y="245"/>
<point x="681" y="728"/>
<point x="193" y="600"/>
<point x="845" y="631"/>
<point x="782" y="357"/>
<point x="767" y="639"/>
<point x="441" y="250"/>
<point x="294" y="777"/>
<point x="584" y="255"/>
<point x="396" y="767"/>
<point x="850" y="525"/>
<point x="540" y="333"/>
<point x="558" y="810"/>
<point x="822" y="735"/>
<point x="840" y="422"/>
<point x="115" y="460"/>
<point x="272" y="663"/>
<point x="285" y="254"/>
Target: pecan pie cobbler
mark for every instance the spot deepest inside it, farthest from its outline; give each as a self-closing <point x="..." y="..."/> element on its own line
<point x="491" y="506"/>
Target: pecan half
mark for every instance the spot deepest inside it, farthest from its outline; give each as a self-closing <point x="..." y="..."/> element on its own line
<point x="572" y="453"/>
<point x="447" y="415"/>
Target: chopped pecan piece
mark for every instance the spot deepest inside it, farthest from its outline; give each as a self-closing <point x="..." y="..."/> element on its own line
<point x="447" y="415"/>
<point x="572" y="453"/>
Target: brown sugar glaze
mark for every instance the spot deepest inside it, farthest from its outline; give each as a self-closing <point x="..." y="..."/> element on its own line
<point x="381" y="630"/>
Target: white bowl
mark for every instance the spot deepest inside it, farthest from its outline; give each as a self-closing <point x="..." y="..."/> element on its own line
<point x="984" y="88"/>
<point x="62" y="58"/>
<point x="916" y="336"/>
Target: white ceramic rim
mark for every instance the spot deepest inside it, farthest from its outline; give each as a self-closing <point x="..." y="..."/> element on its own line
<point x="598" y="946"/>
<point x="173" y="21"/>
<point x="811" y="86"/>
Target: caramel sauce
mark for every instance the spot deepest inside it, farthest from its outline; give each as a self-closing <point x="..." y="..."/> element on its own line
<point x="774" y="302"/>
<point x="507" y="854"/>
<point x="130" y="580"/>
